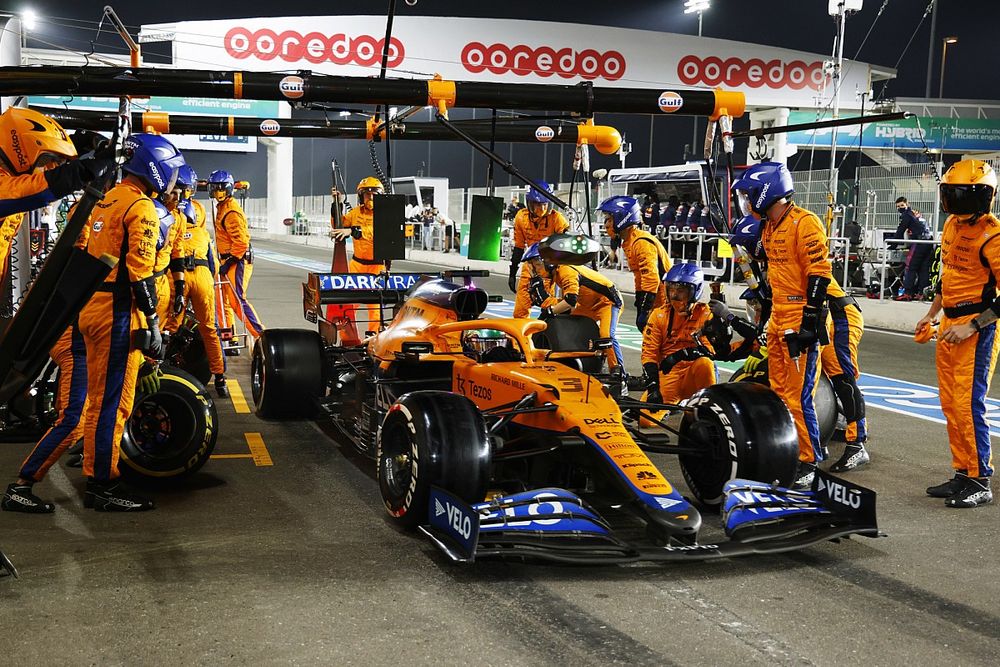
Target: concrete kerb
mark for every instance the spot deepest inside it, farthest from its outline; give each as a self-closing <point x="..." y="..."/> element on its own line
<point x="891" y="315"/>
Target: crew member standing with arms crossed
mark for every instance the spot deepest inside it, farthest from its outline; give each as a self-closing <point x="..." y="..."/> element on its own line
<point x="967" y="339"/>
<point x="232" y="236"/>
<point x="531" y="225"/>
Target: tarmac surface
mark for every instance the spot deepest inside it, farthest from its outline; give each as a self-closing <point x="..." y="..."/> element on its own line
<point x="280" y="553"/>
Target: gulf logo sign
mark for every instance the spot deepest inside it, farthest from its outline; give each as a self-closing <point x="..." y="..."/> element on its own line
<point x="670" y="102"/>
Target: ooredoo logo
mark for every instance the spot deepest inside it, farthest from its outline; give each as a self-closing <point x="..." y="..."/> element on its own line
<point x="270" y="127"/>
<point x="670" y="102"/>
<point x="315" y="47"/>
<point x="543" y="61"/>
<point x="292" y="87"/>
<point x="753" y="73"/>
<point x="544" y="133"/>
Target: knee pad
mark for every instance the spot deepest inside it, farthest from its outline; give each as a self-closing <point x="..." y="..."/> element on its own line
<point x="851" y="400"/>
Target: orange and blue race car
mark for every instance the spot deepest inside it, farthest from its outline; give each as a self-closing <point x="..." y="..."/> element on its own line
<point x="494" y="446"/>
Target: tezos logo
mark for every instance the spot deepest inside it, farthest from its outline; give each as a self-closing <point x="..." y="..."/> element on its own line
<point x="753" y="73"/>
<point x="270" y="127"/>
<point x="292" y="87"/>
<point x="544" y="133"/>
<point x="670" y="102"/>
<point x="543" y="61"/>
<point x="292" y="46"/>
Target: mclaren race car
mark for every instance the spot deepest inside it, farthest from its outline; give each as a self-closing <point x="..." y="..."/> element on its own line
<point x="494" y="446"/>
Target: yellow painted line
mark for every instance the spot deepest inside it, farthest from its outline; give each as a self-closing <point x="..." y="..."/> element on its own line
<point x="231" y="456"/>
<point x="261" y="457"/>
<point x="237" y="397"/>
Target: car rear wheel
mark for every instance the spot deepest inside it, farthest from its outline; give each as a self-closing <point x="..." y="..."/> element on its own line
<point x="431" y="438"/>
<point x="742" y="430"/>
<point x="286" y="373"/>
<point x="172" y="433"/>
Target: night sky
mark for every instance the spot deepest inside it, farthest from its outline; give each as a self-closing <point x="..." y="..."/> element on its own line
<point x="972" y="66"/>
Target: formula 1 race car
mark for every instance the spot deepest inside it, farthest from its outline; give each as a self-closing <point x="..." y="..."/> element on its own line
<point x="494" y="447"/>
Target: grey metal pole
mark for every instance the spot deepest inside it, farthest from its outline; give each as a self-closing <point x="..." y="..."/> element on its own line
<point x="694" y="134"/>
<point x="930" y="50"/>
<point x="841" y="26"/>
<point x="944" y="57"/>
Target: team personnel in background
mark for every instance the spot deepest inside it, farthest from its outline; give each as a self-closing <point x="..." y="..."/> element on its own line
<point x="967" y="338"/>
<point x="647" y="258"/>
<point x="676" y="362"/>
<point x="168" y="270"/>
<point x="232" y="236"/>
<point x="845" y="328"/>
<point x="200" y="269"/>
<point x="119" y="324"/>
<point x="37" y="167"/>
<point x="584" y="292"/>
<point x="531" y="225"/>
<point x="799" y="273"/>
<point x="919" y="256"/>
<point x="359" y="224"/>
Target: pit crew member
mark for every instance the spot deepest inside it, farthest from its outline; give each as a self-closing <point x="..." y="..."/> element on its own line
<point x="967" y="341"/>
<point x="647" y="258"/>
<point x="232" y="237"/>
<point x="676" y="362"/>
<point x="531" y="225"/>
<point x="358" y="223"/>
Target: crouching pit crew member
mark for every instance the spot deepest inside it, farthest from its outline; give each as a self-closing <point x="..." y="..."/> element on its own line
<point x="675" y="361"/>
<point x="647" y="258"/>
<point x="967" y="338"/>
<point x="531" y="225"/>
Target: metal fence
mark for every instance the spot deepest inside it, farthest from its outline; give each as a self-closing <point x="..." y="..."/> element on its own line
<point x="883" y="185"/>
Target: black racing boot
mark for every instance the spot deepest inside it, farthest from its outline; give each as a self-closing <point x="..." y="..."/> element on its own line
<point x="220" y="386"/>
<point x="19" y="498"/>
<point x="804" y="474"/>
<point x="855" y="455"/>
<point x="949" y="488"/>
<point x="114" y="496"/>
<point x="975" y="491"/>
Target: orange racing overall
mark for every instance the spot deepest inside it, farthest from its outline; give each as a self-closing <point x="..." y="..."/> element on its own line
<point x="596" y="298"/>
<point x="232" y="235"/>
<point x="845" y="327"/>
<point x="648" y="261"/>
<point x="970" y="268"/>
<point x="669" y="342"/>
<point x="796" y="248"/>
<point x="529" y="230"/>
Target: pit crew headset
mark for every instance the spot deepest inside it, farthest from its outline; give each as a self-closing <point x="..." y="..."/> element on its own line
<point x="623" y="212"/>
<point x="759" y="188"/>
<point x="534" y="200"/>
<point x="967" y="192"/>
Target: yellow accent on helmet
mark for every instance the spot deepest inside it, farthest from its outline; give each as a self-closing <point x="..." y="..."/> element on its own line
<point x="27" y="136"/>
<point x="970" y="172"/>
<point x="370" y="182"/>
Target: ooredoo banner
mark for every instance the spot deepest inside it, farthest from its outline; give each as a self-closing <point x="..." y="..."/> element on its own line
<point x="508" y="51"/>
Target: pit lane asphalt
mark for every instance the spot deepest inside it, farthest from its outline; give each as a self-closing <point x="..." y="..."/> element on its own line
<point x="295" y="563"/>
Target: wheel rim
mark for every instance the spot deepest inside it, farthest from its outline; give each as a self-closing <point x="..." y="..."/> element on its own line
<point x="159" y="425"/>
<point x="396" y="464"/>
<point x="256" y="377"/>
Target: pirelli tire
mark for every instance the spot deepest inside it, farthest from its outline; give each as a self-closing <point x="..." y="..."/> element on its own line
<point x="825" y="400"/>
<point x="172" y="433"/>
<point x="742" y="430"/>
<point x="565" y="333"/>
<point x="187" y="351"/>
<point x="431" y="438"/>
<point x="286" y="373"/>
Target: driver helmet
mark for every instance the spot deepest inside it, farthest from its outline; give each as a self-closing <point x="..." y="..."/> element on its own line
<point x="477" y="342"/>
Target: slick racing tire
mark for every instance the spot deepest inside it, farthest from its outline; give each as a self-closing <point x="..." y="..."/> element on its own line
<point x="286" y="373"/>
<point x="431" y="438"/>
<point x="827" y="406"/>
<point x="566" y="333"/>
<point x="172" y="433"/>
<point x="743" y="431"/>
